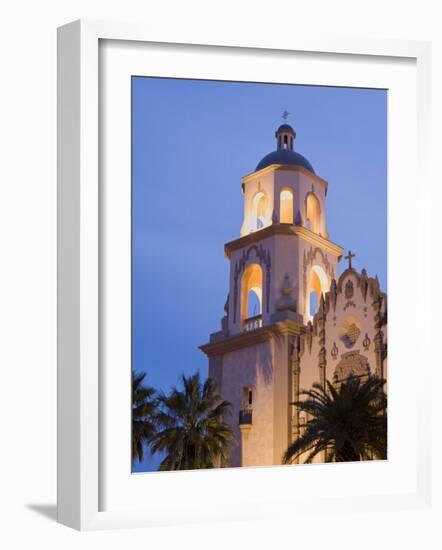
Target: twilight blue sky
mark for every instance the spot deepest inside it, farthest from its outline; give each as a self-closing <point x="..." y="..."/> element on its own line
<point x="192" y="141"/>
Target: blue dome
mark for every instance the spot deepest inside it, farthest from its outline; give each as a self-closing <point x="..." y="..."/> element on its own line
<point x="285" y="128"/>
<point x="284" y="156"/>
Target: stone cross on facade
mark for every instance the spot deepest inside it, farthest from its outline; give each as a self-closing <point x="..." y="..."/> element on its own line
<point x="349" y="256"/>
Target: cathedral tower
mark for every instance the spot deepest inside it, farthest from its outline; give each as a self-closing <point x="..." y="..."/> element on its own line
<point x="280" y="267"/>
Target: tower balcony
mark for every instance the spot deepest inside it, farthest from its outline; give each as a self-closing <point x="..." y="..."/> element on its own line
<point x="252" y="323"/>
<point x="245" y="417"/>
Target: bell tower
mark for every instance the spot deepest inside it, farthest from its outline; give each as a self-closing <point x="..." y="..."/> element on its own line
<point x="280" y="266"/>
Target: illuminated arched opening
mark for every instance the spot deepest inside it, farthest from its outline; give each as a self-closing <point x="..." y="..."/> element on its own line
<point x="251" y="293"/>
<point x="286" y="206"/>
<point x="314" y="302"/>
<point x="254" y="299"/>
<point x="313" y="213"/>
<point x="258" y="211"/>
<point x="318" y="285"/>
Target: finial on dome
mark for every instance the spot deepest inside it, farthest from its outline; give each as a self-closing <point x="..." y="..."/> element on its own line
<point x="285" y="135"/>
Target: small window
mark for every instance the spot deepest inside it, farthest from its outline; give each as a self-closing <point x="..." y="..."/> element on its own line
<point x="247" y="397"/>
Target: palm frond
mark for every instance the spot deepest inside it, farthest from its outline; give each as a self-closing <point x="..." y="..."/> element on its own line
<point x="144" y="405"/>
<point x="348" y="422"/>
<point x="191" y="428"/>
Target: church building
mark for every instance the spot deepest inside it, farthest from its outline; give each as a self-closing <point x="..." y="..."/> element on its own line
<point x="290" y="320"/>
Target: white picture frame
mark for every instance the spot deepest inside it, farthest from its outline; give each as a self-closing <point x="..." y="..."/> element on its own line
<point x="80" y="316"/>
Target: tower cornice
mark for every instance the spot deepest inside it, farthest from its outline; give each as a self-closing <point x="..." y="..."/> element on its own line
<point x="284" y="229"/>
<point x="287" y="168"/>
<point x="252" y="338"/>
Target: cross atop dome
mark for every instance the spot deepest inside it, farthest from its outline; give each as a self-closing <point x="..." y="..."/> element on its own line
<point x="285" y="115"/>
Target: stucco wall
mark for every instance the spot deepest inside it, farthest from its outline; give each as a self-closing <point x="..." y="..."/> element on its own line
<point x="252" y="367"/>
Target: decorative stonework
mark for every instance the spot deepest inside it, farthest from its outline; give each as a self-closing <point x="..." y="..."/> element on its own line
<point x="226" y="305"/>
<point x="333" y="295"/>
<point x="349" y="289"/>
<point x="295" y="370"/>
<point x="377" y="306"/>
<point x="309" y="258"/>
<point x="286" y="301"/>
<point x="363" y="283"/>
<point x="349" y="333"/>
<point x="352" y="363"/>
<point x="309" y="333"/>
<point x="334" y="351"/>
<point x="298" y="219"/>
<point x="311" y="193"/>
<point x="366" y="342"/>
<point x="263" y="255"/>
<point x="380" y="352"/>
<point x="379" y="318"/>
<point x="322" y="355"/>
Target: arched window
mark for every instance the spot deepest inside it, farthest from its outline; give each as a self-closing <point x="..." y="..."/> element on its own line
<point x="258" y="211"/>
<point x="286" y="206"/>
<point x="313" y="213"/>
<point x="318" y="285"/>
<point x="251" y="297"/>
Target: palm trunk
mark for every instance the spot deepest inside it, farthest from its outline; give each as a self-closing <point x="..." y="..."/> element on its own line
<point x="347" y="454"/>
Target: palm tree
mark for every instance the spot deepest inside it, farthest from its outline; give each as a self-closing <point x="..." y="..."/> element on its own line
<point x="348" y="423"/>
<point x="192" y="433"/>
<point x="143" y="415"/>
